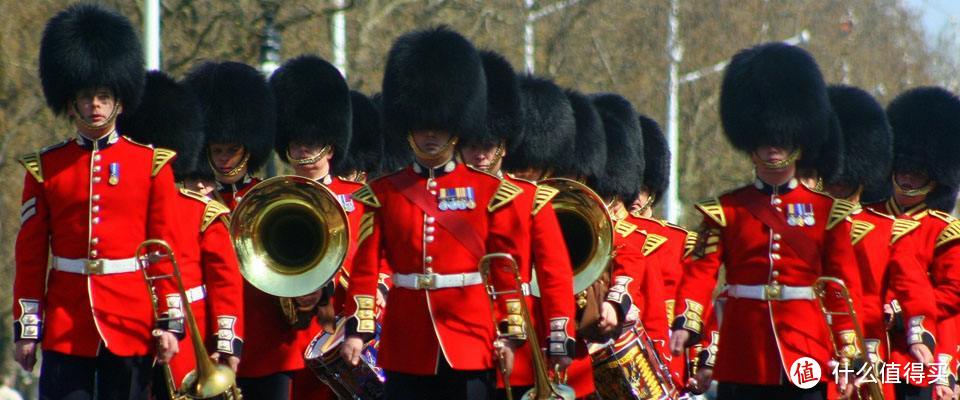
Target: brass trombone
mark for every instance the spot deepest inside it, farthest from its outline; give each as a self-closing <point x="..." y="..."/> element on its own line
<point x="841" y="293"/>
<point x="291" y="236"/>
<point x="544" y="388"/>
<point x="207" y="380"/>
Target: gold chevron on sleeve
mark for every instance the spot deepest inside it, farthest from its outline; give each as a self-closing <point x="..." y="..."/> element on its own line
<point x="211" y="212"/>
<point x="901" y="227"/>
<point x="714" y="210"/>
<point x="624" y="228"/>
<point x="506" y="192"/>
<point x="652" y="243"/>
<point x="161" y="157"/>
<point x="544" y="194"/>
<point x="949" y="234"/>
<point x="859" y="230"/>
<point x="365" y="195"/>
<point x="839" y="211"/>
<point x="31" y="162"/>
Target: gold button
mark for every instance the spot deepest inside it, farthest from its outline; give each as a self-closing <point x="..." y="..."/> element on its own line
<point x="96" y="220"/>
<point x="776" y="236"/>
<point x="428" y="259"/>
<point x="96" y="197"/>
<point x="96" y="179"/>
<point x="96" y="209"/>
<point x="776" y="201"/>
<point x="431" y="229"/>
<point x="432" y="184"/>
<point x="94" y="241"/>
<point x="433" y="192"/>
<point x="431" y="220"/>
<point x="93" y="253"/>
<point x="96" y="157"/>
<point x="775" y="274"/>
<point x="775" y="246"/>
<point x="429" y="239"/>
<point x="96" y="168"/>
<point x="775" y="256"/>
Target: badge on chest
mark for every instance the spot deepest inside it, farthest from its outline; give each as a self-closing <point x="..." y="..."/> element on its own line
<point x="346" y="201"/>
<point x="114" y="174"/>
<point x="452" y="199"/>
<point x="800" y="214"/>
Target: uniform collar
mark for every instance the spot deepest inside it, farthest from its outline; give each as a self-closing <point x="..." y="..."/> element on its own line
<point x="234" y="187"/>
<point x="326" y="180"/>
<point x="767" y="188"/>
<point x="896" y="210"/>
<point x="99" y="144"/>
<point x="435" y="172"/>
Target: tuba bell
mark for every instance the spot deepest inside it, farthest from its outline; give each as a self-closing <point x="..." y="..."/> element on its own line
<point x="291" y="236"/>
<point x="208" y="380"/>
<point x="588" y="232"/>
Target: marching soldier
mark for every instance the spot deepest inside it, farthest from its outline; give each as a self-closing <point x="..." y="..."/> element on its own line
<point x="550" y="128"/>
<point x="169" y="117"/>
<point x="667" y="245"/>
<point x="314" y="124"/>
<point x="432" y="222"/>
<point x="364" y="158"/>
<point x="540" y="240"/>
<point x="88" y="202"/>
<point x="775" y="237"/>
<point x="925" y="179"/>
<point x="239" y="124"/>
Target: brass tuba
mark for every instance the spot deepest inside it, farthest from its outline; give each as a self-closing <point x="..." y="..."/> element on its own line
<point x="588" y="232"/>
<point x="208" y="380"/>
<point x="825" y="296"/>
<point x="291" y="236"/>
<point x="543" y="388"/>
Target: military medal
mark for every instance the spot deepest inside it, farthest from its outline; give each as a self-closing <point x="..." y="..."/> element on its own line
<point x="346" y="201"/>
<point x="114" y="174"/>
<point x="444" y="199"/>
<point x="461" y="198"/>
<point x="807" y="210"/>
<point x="471" y="198"/>
<point x="800" y="215"/>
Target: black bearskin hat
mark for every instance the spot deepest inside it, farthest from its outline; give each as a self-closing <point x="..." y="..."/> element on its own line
<point x="926" y="138"/>
<point x="549" y="128"/>
<point x="623" y="173"/>
<point x="504" y="108"/>
<point x="88" y="46"/>
<point x="168" y="116"/>
<point x="434" y="80"/>
<point x="590" y="144"/>
<point x="656" y="157"/>
<point x="867" y="140"/>
<point x="397" y="154"/>
<point x="238" y="107"/>
<point x="774" y="94"/>
<point x="313" y="106"/>
<point x="366" y="146"/>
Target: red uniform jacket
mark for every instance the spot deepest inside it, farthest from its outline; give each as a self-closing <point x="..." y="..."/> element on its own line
<point x="666" y="246"/>
<point x="86" y="200"/>
<point x="417" y="221"/>
<point x="938" y="255"/>
<point x="543" y="246"/>
<point x="208" y="266"/>
<point x="760" y="339"/>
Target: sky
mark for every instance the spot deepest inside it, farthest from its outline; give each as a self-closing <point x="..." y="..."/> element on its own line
<point x="937" y="14"/>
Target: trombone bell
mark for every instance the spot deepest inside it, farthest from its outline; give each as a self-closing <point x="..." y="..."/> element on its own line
<point x="291" y="236"/>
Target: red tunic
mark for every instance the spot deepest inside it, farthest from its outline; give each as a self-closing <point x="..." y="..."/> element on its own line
<point x="421" y="325"/>
<point x="96" y="201"/>
<point x="207" y="260"/>
<point x="543" y="245"/>
<point x="938" y="255"/>
<point x="762" y="338"/>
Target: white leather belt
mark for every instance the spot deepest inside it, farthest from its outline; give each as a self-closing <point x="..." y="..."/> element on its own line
<point x="196" y="293"/>
<point x="436" y="281"/>
<point x="100" y="266"/>
<point x="770" y="292"/>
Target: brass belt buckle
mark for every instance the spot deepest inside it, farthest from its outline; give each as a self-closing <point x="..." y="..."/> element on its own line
<point x="426" y="281"/>
<point x="93" y="267"/>
<point x="772" y="292"/>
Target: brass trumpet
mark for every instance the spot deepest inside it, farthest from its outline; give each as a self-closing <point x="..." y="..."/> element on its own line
<point x="874" y="390"/>
<point x="207" y="380"/>
<point x="291" y="236"/>
<point x="544" y="388"/>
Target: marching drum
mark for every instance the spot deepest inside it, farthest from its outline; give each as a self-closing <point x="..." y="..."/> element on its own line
<point x="629" y="368"/>
<point x="363" y="382"/>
